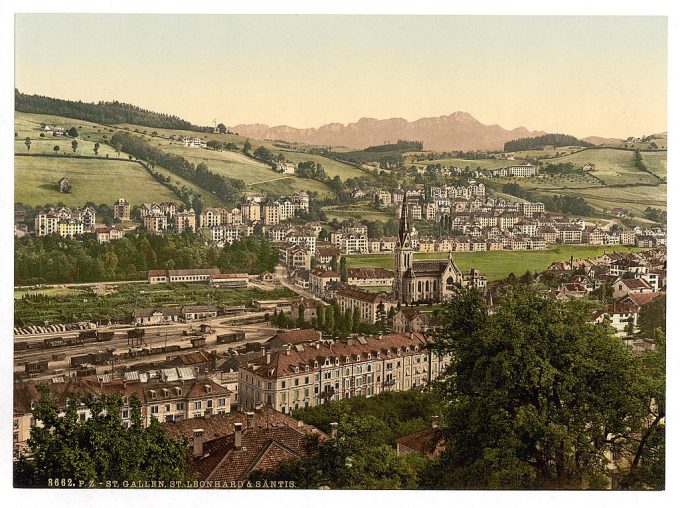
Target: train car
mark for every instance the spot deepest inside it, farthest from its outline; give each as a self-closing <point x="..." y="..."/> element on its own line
<point x="228" y="338"/>
<point x="20" y="346"/>
<point x="86" y="371"/>
<point x="54" y="342"/>
<point x="88" y="334"/>
<point x="36" y="367"/>
<point x="104" y="336"/>
<point x="77" y="361"/>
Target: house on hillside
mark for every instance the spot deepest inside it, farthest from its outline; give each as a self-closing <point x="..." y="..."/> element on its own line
<point x="64" y="186"/>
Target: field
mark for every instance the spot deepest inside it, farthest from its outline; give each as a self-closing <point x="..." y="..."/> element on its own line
<point x="81" y="306"/>
<point x="656" y="163"/>
<point x="98" y="181"/>
<point x="496" y="265"/>
<point x="28" y="125"/>
<point x="463" y="163"/>
<point x="611" y="166"/>
<point x="257" y="175"/>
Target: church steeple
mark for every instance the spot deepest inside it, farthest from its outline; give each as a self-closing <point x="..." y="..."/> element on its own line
<point x="403" y="225"/>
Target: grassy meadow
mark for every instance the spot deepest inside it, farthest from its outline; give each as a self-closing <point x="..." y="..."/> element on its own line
<point x="496" y="265"/>
<point x="98" y="181"/>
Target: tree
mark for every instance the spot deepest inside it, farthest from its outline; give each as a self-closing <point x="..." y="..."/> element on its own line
<point x="98" y="449"/>
<point x="356" y="319"/>
<point x="301" y="316"/>
<point x="652" y="318"/>
<point x="334" y="263"/>
<point x="381" y="317"/>
<point x="73" y="132"/>
<point x="247" y="146"/>
<point x="329" y="319"/>
<point x="96" y="149"/>
<point x="74" y="145"/>
<point x="630" y="326"/>
<point x="27" y="142"/>
<point x="351" y="460"/>
<point x="537" y="393"/>
<point x="343" y="269"/>
<point x="221" y="128"/>
<point x="56" y="149"/>
<point x="118" y="147"/>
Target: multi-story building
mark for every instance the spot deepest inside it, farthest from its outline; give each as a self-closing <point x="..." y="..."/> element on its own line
<point x="313" y="373"/>
<point x="319" y="278"/>
<point x="155" y="223"/>
<point x="370" y="305"/>
<point x="105" y="234"/>
<point x="270" y="213"/>
<point x="251" y="211"/>
<point x="185" y="221"/>
<point x="210" y="217"/>
<point x="121" y="209"/>
<point x="522" y="170"/>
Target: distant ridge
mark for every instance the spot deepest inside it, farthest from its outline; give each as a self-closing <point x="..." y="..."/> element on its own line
<point x="457" y="131"/>
<point x="102" y="112"/>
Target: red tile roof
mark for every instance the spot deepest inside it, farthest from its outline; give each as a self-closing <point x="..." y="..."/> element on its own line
<point x="429" y="442"/>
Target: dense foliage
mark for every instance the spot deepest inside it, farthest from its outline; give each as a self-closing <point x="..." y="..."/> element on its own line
<point x="53" y="259"/>
<point x="102" y="112"/>
<point x="362" y="455"/>
<point x="545" y="140"/>
<point x="228" y="189"/>
<point x="538" y="395"/>
<point x="99" y="449"/>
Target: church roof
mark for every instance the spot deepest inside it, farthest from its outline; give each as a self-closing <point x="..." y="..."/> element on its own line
<point x="428" y="268"/>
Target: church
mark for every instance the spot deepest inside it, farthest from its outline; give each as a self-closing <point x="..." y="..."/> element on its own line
<point x="423" y="280"/>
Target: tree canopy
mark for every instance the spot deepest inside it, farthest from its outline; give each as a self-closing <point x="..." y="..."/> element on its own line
<point x="537" y="394"/>
<point x="100" y="448"/>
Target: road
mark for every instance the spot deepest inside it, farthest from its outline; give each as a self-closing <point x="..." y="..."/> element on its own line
<point x="282" y="275"/>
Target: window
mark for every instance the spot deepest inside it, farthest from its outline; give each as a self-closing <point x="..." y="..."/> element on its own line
<point x="297" y="382"/>
<point x="154" y="410"/>
<point x="197" y="404"/>
<point x="126" y="414"/>
<point x="283" y="384"/>
<point x="209" y="403"/>
<point x="180" y="406"/>
<point x="167" y="408"/>
<point x="306" y="380"/>
<point x="222" y="402"/>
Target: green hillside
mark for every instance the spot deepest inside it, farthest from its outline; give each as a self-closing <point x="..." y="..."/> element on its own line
<point x="99" y="181"/>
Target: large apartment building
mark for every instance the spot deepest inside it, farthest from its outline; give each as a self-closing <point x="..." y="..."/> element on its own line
<point x="310" y="374"/>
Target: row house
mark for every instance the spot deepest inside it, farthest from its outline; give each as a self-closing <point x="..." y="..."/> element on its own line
<point x="225" y="233"/>
<point x="311" y="374"/>
<point x="210" y="217"/>
<point x="369" y="304"/>
<point x="66" y="222"/>
<point x="270" y="213"/>
<point x="569" y="234"/>
<point x="251" y="211"/>
<point x="370" y="277"/>
<point x="529" y="209"/>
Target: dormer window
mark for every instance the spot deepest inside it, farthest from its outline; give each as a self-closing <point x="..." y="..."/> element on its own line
<point x="316" y="364"/>
<point x="306" y="368"/>
<point x="178" y="389"/>
<point x="208" y="388"/>
<point x="297" y="369"/>
<point x="347" y="359"/>
<point x="153" y="394"/>
<point x="327" y="362"/>
<point x="368" y="356"/>
<point x="358" y="357"/>
<point x="337" y="362"/>
<point x="166" y="392"/>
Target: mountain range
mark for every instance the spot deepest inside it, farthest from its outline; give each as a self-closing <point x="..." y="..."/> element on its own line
<point x="457" y="131"/>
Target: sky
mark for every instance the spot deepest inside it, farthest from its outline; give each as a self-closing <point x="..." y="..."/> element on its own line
<point x="584" y="76"/>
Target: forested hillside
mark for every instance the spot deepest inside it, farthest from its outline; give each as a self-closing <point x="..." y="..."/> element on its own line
<point x="102" y="112"/>
<point x="546" y="140"/>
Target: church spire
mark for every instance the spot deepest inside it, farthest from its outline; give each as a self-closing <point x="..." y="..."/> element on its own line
<point x="403" y="225"/>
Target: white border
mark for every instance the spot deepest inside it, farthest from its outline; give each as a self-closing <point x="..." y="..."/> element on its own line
<point x="313" y="498"/>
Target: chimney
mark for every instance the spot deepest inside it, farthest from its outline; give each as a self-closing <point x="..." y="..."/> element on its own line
<point x="237" y="435"/>
<point x="334" y="430"/>
<point x="198" y="442"/>
<point x="269" y="357"/>
<point x="250" y="419"/>
<point x="287" y="349"/>
<point x="263" y="349"/>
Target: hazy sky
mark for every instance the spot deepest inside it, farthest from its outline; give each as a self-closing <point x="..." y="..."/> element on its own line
<point x="579" y="75"/>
